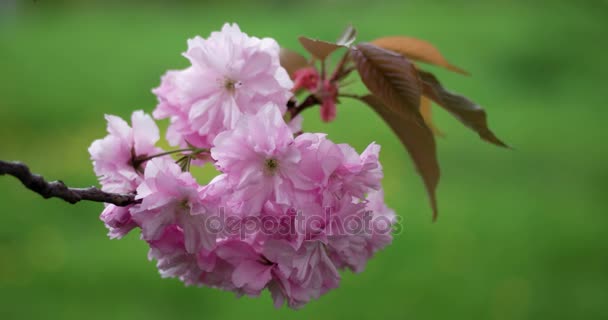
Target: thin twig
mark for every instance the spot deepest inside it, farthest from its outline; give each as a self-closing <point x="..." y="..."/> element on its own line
<point x="57" y="189"/>
<point x="310" y="101"/>
<point x="349" y="95"/>
<point x="340" y="72"/>
<point x="139" y="161"/>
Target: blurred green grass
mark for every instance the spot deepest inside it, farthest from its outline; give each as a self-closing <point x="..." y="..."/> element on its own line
<point x="521" y="233"/>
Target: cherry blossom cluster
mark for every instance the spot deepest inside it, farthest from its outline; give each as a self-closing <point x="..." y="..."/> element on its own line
<point x="287" y="209"/>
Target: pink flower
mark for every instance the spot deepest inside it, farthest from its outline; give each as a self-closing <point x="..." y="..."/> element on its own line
<point x="173" y="261"/>
<point x="295" y="124"/>
<point x="306" y="78"/>
<point x="359" y="174"/>
<point x="118" y="221"/>
<point x="260" y="160"/>
<point x="329" y="96"/>
<point x="300" y="275"/>
<point x="326" y="90"/>
<point x="383" y="219"/>
<point x="113" y="155"/>
<point x="170" y="196"/>
<point x="336" y="171"/>
<point x="231" y="74"/>
<point x="323" y="200"/>
<point x="320" y="159"/>
<point x="251" y="271"/>
<point x="358" y="230"/>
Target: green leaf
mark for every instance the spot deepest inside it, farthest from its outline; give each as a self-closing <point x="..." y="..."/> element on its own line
<point x="391" y="77"/>
<point x="292" y="61"/>
<point x="418" y="50"/>
<point x="318" y="48"/>
<point x="468" y="112"/>
<point x="418" y="141"/>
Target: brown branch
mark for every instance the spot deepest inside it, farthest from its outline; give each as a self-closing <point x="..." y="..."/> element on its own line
<point x="295" y="110"/>
<point x="57" y="189"/>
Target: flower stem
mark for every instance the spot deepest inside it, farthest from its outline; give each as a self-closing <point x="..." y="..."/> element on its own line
<point x="194" y="151"/>
<point x="340" y="71"/>
<point x="352" y="96"/>
<point x="310" y="101"/>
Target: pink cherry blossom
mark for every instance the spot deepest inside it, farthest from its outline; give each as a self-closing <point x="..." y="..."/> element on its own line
<point x="384" y="219"/>
<point x="113" y="155"/>
<point x="329" y="96"/>
<point x="306" y="78"/>
<point x="351" y="231"/>
<point x="170" y="196"/>
<point x="260" y="159"/>
<point x="359" y="174"/>
<point x="335" y="171"/>
<point x="231" y="74"/>
<point x="251" y="271"/>
<point x="118" y="221"/>
<point x="173" y="261"/>
<point x="300" y="275"/>
<point x="325" y="199"/>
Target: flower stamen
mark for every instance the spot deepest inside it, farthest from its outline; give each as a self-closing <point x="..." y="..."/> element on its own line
<point x="271" y="165"/>
<point x="231" y="85"/>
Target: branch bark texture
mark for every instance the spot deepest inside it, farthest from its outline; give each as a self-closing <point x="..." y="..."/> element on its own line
<point x="57" y="189"/>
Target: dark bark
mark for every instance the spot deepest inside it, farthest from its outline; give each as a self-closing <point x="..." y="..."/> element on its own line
<point x="57" y="189"/>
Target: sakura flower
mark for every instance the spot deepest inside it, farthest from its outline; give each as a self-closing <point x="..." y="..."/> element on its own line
<point x="300" y="275"/>
<point x="219" y="272"/>
<point x="336" y="171"/>
<point x="309" y="79"/>
<point x="113" y="156"/>
<point x="173" y="261"/>
<point x="259" y="158"/>
<point x="320" y="158"/>
<point x="350" y="231"/>
<point x="323" y="200"/>
<point x="201" y="268"/>
<point x="295" y="124"/>
<point x="329" y="96"/>
<point x="251" y="271"/>
<point x="118" y="221"/>
<point x="231" y="74"/>
<point x="359" y="174"/>
<point x="170" y="196"/>
<point x="306" y="78"/>
<point x="383" y="219"/>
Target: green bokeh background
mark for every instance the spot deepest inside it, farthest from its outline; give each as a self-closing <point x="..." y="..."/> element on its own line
<point x="521" y="235"/>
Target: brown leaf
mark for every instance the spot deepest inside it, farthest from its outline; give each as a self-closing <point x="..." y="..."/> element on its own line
<point x="419" y="142"/>
<point x="388" y="75"/>
<point x="348" y="36"/>
<point x="427" y="115"/>
<point x="292" y="61"/>
<point x="391" y="77"/>
<point x="468" y="112"/>
<point x="318" y="48"/>
<point x="418" y="50"/>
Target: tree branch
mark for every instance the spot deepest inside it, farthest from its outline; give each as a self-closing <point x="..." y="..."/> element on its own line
<point x="295" y="110"/>
<point x="57" y="189"/>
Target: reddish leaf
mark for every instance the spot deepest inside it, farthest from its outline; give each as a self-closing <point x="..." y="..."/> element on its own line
<point x="318" y="48"/>
<point x="292" y="61"/>
<point x="465" y="110"/>
<point x="427" y="115"/>
<point x="419" y="142"/>
<point x="348" y="36"/>
<point x="418" y="50"/>
<point x="391" y="77"/>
